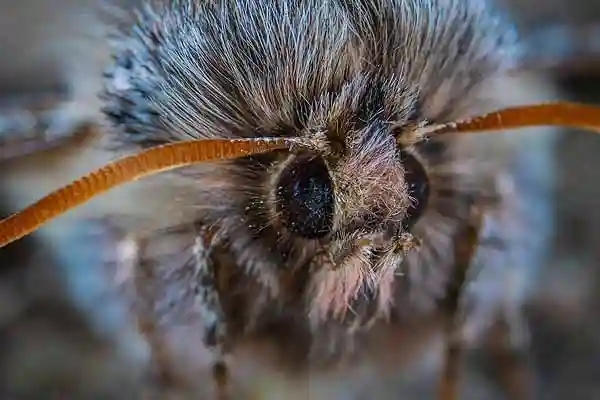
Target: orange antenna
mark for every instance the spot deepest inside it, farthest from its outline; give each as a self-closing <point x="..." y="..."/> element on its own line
<point x="148" y="162"/>
<point x="575" y="115"/>
<point x="176" y="155"/>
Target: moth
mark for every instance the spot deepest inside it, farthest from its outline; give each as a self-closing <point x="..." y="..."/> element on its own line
<point x="352" y="211"/>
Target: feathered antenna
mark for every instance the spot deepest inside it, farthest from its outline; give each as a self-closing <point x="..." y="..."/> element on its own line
<point x="133" y="167"/>
<point x="180" y="154"/>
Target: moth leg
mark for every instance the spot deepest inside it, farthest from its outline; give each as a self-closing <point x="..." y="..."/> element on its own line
<point x="32" y="127"/>
<point x="500" y="328"/>
<point x="465" y="245"/>
<point x="518" y="375"/>
<point x="508" y="353"/>
<point x="208" y="305"/>
<point x="163" y="378"/>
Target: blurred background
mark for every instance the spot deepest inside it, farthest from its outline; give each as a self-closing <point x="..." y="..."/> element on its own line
<point x="52" y="51"/>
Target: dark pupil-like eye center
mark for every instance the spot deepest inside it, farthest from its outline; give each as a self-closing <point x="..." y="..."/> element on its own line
<point x="418" y="189"/>
<point x="304" y="197"/>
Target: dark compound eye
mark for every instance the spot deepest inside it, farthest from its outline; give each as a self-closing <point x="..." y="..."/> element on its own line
<point x="418" y="188"/>
<point x="304" y="197"/>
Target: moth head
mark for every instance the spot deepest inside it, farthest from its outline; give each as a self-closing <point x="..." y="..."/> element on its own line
<point x="355" y="194"/>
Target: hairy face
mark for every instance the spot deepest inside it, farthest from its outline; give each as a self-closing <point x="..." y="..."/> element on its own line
<point x="359" y="74"/>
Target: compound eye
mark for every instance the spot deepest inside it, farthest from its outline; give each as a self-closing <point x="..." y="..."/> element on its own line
<point x="304" y="197"/>
<point x="418" y="189"/>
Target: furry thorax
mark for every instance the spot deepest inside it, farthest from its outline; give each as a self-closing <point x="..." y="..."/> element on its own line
<point x="361" y="74"/>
